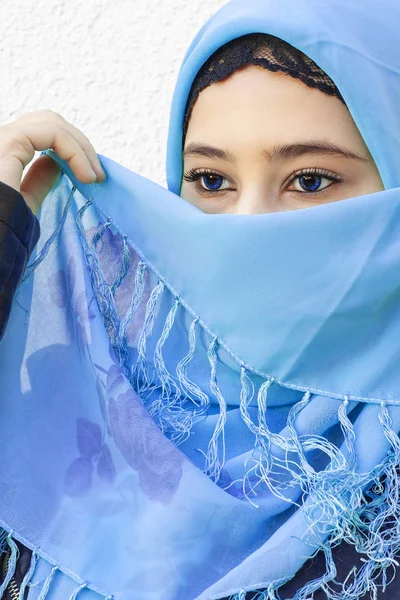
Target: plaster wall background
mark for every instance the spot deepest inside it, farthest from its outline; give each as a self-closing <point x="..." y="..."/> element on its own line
<point x="108" y="67"/>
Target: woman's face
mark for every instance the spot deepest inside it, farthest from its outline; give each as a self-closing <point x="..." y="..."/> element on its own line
<point x="261" y="142"/>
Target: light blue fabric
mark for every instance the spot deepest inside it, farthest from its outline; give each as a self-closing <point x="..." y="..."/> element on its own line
<point x="186" y="416"/>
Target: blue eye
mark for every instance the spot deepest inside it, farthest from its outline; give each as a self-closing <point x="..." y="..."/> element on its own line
<point x="212" y="182"/>
<point x="207" y="181"/>
<point x="310" y="180"/>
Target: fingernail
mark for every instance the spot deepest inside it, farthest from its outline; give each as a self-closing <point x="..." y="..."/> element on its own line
<point x="94" y="175"/>
<point x="103" y="176"/>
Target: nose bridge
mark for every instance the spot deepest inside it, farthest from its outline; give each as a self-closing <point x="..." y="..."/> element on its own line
<point x="255" y="199"/>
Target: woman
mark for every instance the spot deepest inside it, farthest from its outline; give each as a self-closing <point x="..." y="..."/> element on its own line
<point x="256" y="140"/>
<point x="252" y="110"/>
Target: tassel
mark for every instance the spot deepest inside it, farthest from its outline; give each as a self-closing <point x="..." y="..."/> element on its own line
<point x="298" y="446"/>
<point x="12" y="561"/>
<point x="46" y="246"/>
<point x="98" y="236"/>
<point x="271" y="593"/>
<point x="78" y="589"/>
<point x="124" y="267"/>
<point x="138" y="288"/>
<point x="189" y="387"/>
<point x="47" y="583"/>
<point x="140" y="377"/>
<point x="246" y="396"/>
<point x="348" y="433"/>
<point x="101" y="288"/>
<point x="164" y="377"/>
<point x="213" y="465"/>
<point x="264" y="435"/>
<point x="174" y="419"/>
<point x="307" y="590"/>
<point x="393" y="438"/>
<point x="277" y="472"/>
<point x="28" y="576"/>
<point x="264" y="465"/>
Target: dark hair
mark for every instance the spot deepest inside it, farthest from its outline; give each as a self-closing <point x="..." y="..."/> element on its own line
<point x="265" y="50"/>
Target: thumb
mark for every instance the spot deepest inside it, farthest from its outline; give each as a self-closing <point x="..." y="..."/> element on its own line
<point x="41" y="177"/>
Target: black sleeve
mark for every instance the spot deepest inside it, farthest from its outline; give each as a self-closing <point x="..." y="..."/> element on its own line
<point x="19" y="234"/>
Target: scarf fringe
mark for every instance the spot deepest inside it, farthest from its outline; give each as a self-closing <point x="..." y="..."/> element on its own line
<point x="28" y="576"/>
<point x="334" y="499"/>
<point x="45" y="585"/>
<point x="336" y="508"/>
<point x="11" y="563"/>
<point x="48" y="581"/>
<point x="136" y="298"/>
<point x="78" y="589"/>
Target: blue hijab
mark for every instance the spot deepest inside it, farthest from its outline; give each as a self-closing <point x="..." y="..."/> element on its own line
<point x="183" y="415"/>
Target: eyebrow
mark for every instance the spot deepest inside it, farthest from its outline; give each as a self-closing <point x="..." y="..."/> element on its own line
<point x="278" y="152"/>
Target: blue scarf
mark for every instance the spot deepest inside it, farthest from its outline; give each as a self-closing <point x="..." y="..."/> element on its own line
<point x="192" y="405"/>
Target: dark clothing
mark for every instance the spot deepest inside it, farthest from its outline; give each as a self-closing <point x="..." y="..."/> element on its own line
<point x="345" y="558"/>
<point x="19" y="234"/>
<point x="21" y="568"/>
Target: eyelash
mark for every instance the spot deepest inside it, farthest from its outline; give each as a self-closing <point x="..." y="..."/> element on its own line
<point x="194" y="175"/>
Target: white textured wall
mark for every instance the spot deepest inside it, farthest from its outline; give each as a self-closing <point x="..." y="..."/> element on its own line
<point x="107" y="66"/>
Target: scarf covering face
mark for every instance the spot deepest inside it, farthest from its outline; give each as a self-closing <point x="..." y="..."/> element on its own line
<point x="192" y="405"/>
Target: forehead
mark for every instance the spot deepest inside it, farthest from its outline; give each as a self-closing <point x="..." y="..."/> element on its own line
<point x="254" y="103"/>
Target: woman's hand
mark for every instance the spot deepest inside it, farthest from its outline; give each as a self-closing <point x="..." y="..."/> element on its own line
<point x="40" y="130"/>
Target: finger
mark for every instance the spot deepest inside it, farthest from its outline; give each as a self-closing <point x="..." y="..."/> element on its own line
<point x="77" y="134"/>
<point x="41" y="136"/>
<point x="11" y="170"/>
<point x="41" y="177"/>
